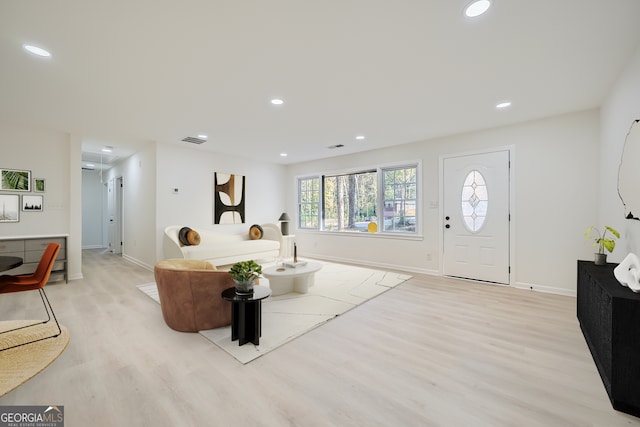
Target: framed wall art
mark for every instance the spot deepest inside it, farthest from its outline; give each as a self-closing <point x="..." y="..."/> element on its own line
<point x="38" y="185"/>
<point x="15" y="180"/>
<point x="228" y="196"/>
<point x="9" y="208"/>
<point x="32" y="203"/>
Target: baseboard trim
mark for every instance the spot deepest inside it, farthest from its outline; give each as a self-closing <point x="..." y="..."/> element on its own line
<point x="546" y="289"/>
<point x="78" y="276"/>
<point x="383" y="266"/>
<point x="518" y="285"/>
<point x="137" y="262"/>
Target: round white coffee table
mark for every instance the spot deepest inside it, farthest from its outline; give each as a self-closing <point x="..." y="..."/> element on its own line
<point x="285" y="279"/>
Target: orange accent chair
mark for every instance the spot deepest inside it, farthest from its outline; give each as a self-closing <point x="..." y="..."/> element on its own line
<point x="31" y="282"/>
<point x="190" y="294"/>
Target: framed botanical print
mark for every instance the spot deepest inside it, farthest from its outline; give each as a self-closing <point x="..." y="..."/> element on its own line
<point x="15" y="180"/>
<point x="38" y="185"/>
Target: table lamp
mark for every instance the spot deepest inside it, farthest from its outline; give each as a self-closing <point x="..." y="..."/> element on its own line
<point x="284" y="223"/>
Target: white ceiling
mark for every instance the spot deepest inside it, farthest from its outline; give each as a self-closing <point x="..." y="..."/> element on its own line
<point x="128" y="72"/>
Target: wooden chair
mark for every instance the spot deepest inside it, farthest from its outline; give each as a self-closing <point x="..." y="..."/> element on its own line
<point x="31" y="282"/>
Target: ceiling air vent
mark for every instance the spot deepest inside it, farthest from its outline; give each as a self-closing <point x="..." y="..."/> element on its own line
<point x="194" y="140"/>
<point x="331" y="147"/>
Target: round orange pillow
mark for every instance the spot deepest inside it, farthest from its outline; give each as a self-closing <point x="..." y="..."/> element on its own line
<point x="188" y="237"/>
<point x="193" y="237"/>
<point x="255" y="232"/>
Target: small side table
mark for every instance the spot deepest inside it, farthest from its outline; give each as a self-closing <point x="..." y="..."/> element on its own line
<point x="246" y="314"/>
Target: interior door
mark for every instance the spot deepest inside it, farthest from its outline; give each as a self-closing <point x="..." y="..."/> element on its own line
<point x="114" y="207"/>
<point x="476" y="216"/>
<point x="111" y="201"/>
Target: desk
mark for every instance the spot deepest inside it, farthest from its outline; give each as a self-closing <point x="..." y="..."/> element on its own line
<point x="246" y="314"/>
<point x="9" y="262"/>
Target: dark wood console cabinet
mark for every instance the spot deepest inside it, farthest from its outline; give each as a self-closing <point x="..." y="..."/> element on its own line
<point x="609" y="316"/>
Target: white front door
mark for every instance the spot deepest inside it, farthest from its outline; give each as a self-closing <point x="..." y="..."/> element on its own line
<point x="476" y="216"/>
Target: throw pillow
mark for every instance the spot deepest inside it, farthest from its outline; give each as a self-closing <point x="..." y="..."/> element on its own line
<point x="193" y="237"/>
<point x="182" y="236"/>
<point x="255" y="232"/>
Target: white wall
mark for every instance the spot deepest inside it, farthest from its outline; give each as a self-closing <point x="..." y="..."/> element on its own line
<point x="46" y="155"/>
<point x="49" y="155"/>
<point x="150" y="204"/>
<point x="138" y="173"/>
<point x="554" y="163"/>
<point x="620" y="109"/>
<point x="191" y="170"/>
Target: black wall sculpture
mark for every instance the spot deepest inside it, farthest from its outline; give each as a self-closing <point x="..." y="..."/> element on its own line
<point x="629" y="173"/>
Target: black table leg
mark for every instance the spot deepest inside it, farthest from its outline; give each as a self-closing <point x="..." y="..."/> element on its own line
<point x="234" y="321"/>
<point x="250" y="325"/>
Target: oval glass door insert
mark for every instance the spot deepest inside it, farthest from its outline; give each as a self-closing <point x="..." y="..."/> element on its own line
<point x="475" y="201"/>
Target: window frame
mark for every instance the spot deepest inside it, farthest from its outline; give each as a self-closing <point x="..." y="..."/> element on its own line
<point x="379" y="170"/>
<point x="382" y="200"/>
<point x="299" y="203"/>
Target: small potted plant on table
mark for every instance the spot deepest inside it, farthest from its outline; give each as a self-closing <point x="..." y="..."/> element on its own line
<point x="602" y="242"/>
<point x="244" y="274"/>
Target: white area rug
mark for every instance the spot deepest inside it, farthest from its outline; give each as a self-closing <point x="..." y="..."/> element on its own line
<point x="338" y="288"/>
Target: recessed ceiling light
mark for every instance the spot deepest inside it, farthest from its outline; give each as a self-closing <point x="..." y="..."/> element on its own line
<point x="37" y="51"/>
<point x="504" y="104"/>
<point x="203" y="136"/>
<point x="477" y="8"/>
<point x="360" y="137"/>
<point x="107" y="149"/>
<point x="283" y="154"/>
<point x="277" y="101"/>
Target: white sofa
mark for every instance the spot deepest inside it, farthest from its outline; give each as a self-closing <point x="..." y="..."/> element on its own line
<point x="223" y="248"/>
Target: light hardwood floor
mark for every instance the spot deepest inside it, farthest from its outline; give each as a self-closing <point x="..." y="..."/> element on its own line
<point x="431" y="352"/>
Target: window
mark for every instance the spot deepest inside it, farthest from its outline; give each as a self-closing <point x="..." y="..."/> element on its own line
<point x="350" y="201"/>
<point x="399" y="199"/>
<point x="383" y="199"/>
<point x="308" y="202"/>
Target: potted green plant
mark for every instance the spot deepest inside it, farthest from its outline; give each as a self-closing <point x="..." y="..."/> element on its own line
<point x="602" y="242"/>
<point x="244" y="274"/>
